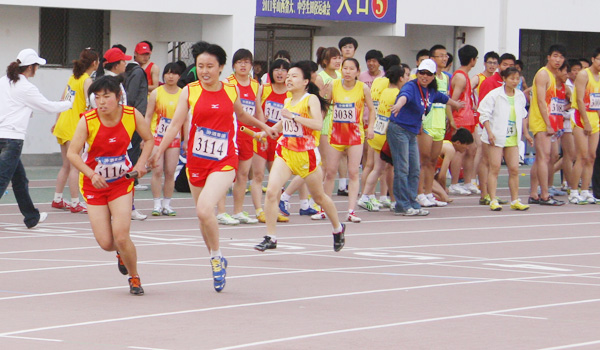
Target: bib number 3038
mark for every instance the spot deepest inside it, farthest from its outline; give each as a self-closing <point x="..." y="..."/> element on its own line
<point x="210" y="144"/>
<point x="344" y="113"/>
<point x="112" y="168"/>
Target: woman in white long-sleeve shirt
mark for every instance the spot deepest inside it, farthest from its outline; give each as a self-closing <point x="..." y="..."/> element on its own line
<point x="502" y="112"/>
<point x="18" y="99"/>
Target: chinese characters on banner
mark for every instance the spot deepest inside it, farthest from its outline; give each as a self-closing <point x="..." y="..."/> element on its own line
<point x="337" y="10"/>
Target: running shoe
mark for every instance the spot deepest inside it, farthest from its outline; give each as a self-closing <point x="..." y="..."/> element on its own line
<point x="226" y="219"/>
<point x="502" y="201"/>
<point x="157" y="211"/>
<point x="556" y="192"/>
<point x="494" y="206"/>
<point x="243" y="218"/>
<point x="267" y="243"/>
<point x="423" y="201"/>
<point x="319" y="216"/>
<point x="353" y="218"/>
<point x="551" y="201"/>
<point x="140" y="187"/>
<point x="339" y="239"/>
<point x="386" y="203"/>
<point x="61" y="205"/>
<point x="457" y="189"/>
<point x="284" y="207"/>
<point x="219" y="266"/>
<point x="435" y="202"/>
<point x="136" y="215"/>
<point x="376" y="203"/>
<point x="342" y="192"/>
<point x="308" y="212"/>
<point x="135" y="286"/>
<point x="471" y="187"/>
<point x="588" y="197"/>
<point x="517" y="205"/>
<point x="393" y="207"/>
<point x="532" y="200"/>
<point x="261" y="216"/>
<point x="485" y="200"/>
<point x="43" y="217"/>
<point x="415" y="212"/>
<point x="575" y="198"/>
<point x="168" y="211"/>
<point x="79" y="209"/>
<point x="122" y="268"/>
<point x="367" y="205"/>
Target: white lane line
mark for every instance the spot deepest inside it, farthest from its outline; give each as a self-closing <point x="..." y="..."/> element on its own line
<point x="397" y="324"/>
<point x="571" y="346"/>
<point x="31" y="338"/>
<point x="143" y="348"/>
<point x="520" y="316"/>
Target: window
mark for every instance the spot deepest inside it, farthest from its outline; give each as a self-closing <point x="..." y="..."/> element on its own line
<point x="64" y="33"/>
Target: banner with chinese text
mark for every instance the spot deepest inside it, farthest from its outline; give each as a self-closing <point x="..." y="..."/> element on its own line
<point x="336" y="10"/>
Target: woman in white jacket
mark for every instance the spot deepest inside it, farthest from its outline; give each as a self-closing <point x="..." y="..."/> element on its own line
<point x="502" y="112"/>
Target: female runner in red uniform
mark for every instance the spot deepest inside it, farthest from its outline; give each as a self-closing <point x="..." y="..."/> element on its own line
<point x="212" y="151"/>
<point x="106" y="132"/>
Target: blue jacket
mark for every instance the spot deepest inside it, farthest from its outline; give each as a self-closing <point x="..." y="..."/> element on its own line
<point x="411" y="114"/>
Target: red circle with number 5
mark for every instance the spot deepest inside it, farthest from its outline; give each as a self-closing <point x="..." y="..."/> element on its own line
<point x="379" y="8"/>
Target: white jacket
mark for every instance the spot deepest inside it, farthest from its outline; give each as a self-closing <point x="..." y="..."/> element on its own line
<point x="495" y="108"/>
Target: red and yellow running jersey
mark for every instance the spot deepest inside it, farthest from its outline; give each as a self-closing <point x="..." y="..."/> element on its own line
<point x="379" y="84"/>
<point x="213" y="129"/>
<point x="67" y="121"/>
<point x="591" y="99"/>
<point x="166" y="104"/>
<point x="248" y="99"/>
<point x="272" y="103"/>
<point x="346" y="121"/>
<point x="106" y="147"/>
<point x="536" y="122"/>
<point x="297" y="137"/>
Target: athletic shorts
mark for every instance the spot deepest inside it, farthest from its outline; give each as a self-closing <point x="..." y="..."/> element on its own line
<point x="101" y="196"/>
<point x="556" y="121"/>
<point x="265" y="151"/>
<point x="377" y="142"/>
<point x="300" y="163"/>
<point x="245" y="146"/>
<point x="61" y="141"/>
<point x="593" y="118"/>
<point x="197" y="177"/>
<point x="174" y="144"/>
<point x="436" y="133"/>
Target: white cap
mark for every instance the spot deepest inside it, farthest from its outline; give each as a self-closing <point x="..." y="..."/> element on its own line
<point x="28" y="57"/>
<point x="428" y="65"/>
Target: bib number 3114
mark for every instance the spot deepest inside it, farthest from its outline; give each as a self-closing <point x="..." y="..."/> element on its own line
<point x="210" y="144"/>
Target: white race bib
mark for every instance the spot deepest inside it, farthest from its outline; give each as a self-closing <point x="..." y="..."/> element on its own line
<point x="594" y="101"/>
<point x="70" y="94"/>
<point x="273" y="111"/>
<point x="344" y="113"/>
<point x="511" y="130"/>
<point x="557" y="106"/>
<point x="381" y="124"/>
<point x="291" y="128"/>
<point x="162" y="126"/>
<point x="249" y="106"/>
<point x="210" y="144"/>
<point x="112" y="168"/>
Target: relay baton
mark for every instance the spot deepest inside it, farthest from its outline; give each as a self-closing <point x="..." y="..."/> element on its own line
<point x="252" y="133"/>
<point x="134" y="174"/>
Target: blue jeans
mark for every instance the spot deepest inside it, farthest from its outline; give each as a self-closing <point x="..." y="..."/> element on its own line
<point x="12" y="170"/>
<point x="405" y="155"/>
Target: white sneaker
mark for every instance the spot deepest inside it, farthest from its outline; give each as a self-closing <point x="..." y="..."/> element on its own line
<point x="588" y="197"/>
<point x="471" y="187"/>
<point x="136" y="215"/>
<point x="575" y="198"/>
<point x="367" y="205"/>
<point x="435" y="202"/>
<point x="319" y="216"/>
<point x="243" y="218"/>
<point x="226" y="219"/>
<point x="424" y="201"/>
<point x="386" y="203"/>
<point x="353" y="218"/>
<point x="43" y="217"/>
<point x="376" y="203"/>
<point x="140" y="187"/>
<point x="457" y="189"/>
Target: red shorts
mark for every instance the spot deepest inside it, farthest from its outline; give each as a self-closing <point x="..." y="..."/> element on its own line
<point x="101" y="196"/>
<point x="174" y="144"/>
<point x="197" y="176"/>
<point x="557" y="121"/>
<point x="265" y="151"/>
<point x="245" y="146"/>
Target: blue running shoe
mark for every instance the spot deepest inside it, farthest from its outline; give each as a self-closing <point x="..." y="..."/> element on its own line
<point x="310" y="211"/>
<point x="339" y="239"/>
<point x="284" y="207"/>
<point x="218" y="268"/>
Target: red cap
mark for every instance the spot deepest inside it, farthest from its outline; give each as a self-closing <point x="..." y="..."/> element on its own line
<point x="142" y="48"/>
<point x="115" y="55"/>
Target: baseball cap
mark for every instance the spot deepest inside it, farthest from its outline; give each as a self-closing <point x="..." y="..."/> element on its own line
<point x="142" y="48"/>
<point x="28" y="57"/>
<point x="115" y="55"/>
<point x="428" y="65"/>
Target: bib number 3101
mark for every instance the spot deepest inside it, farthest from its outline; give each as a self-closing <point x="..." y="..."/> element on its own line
<point x="210" y="144"/>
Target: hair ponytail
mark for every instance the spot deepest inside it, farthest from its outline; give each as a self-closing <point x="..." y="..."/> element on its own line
<point x="13" y="70"/>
